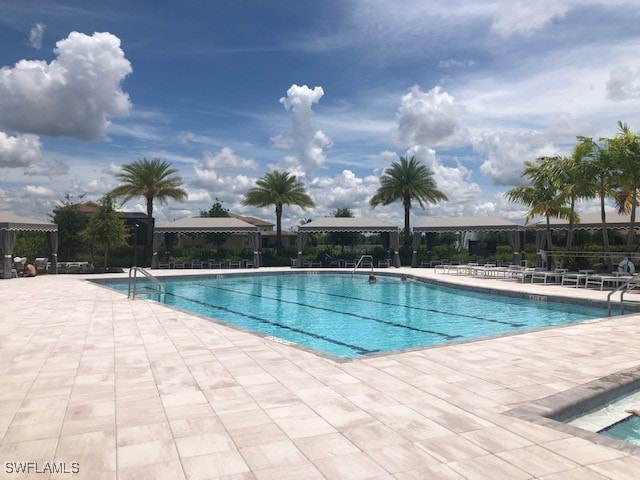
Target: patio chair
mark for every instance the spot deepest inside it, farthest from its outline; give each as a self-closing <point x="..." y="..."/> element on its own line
<point x="234" y="263"/>
<point x="196" y="264"/>
<point x="178" y="264"/>
<point x="213" y="263"/>
<point x="41" y="264"/>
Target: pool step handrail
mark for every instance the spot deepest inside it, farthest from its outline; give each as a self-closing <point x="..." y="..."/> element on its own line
<point x="359" y="262"/>
<point x="133" y="289"/>
<point x="633" y="282"/>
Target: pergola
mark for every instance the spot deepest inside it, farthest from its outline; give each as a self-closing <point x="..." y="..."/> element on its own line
<point x="207" y="225"/>
<point x="10" y="224"/>
<point x="349" y="224"/>
<point x="515" y="232"/>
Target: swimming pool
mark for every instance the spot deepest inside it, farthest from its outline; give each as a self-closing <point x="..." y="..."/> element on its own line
<point x="345" y="316"/>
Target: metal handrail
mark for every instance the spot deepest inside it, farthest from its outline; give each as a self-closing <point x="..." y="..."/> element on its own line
<point x="133" y="282"/>
<point x="630" y="284"/>
<point x="360" y="262"/>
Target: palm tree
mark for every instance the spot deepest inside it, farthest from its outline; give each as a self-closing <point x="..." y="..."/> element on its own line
<point x="624" y="149"/>
<point x="542" y="196"/>
<point x="151" y="179"/>
<point x="278" y="188"/>
<point x="407" y="180"/>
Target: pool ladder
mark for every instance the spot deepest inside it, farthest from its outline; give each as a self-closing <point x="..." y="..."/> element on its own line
<point x="359" y="262"/>
<point x="633" y="282"/>
<point x="157" y="287"/>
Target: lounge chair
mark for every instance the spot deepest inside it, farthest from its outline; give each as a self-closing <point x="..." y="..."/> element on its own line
<point x="607" y="280"/>
<point x="213" y="263"/>
<point x="555" y="275"/>
<point x="41" y="264"/>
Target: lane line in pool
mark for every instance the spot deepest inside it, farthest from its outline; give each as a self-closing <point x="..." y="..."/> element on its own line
<point x="356" y="348"/>
<point x="380" y="302"/>
<point x="355" y="315"/>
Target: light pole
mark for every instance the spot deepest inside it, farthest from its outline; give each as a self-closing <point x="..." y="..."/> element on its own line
<point x="135" y="244"/>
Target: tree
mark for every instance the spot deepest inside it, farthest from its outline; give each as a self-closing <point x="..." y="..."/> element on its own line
<point x="543" y="195"/>
<point x="150" y="179"/>
<point x="624" y="150"/>
<point x="216" y="210"/>
<point x="70" y="223"/>
<point x="344" y="239"/>
<point x="278" y="188"/>
<point x="105" y="229"/>
<point x="405" y="180"/>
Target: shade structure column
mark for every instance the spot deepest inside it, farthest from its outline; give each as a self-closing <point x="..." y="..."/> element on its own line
<point x="52" y="240"/>
<point x="417" y="238"/>
<point x="158" y="240"/>
<point x="7" y="242"/>
<point x="394" y="243"/>
<point x="301" y="241"/>
<point x="514" y="242"/>
<point x="254" y="243"/>
<point x="540" y="241"/>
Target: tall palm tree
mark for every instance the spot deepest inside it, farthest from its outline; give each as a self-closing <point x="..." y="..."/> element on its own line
<point x="278" y="188"/>
<point x="405" y="180"/>
<point x="575" y="180"/>
<point x="151" y="179"/>
<point x="600" y="169"/>
<point x="624" y="149"/>
<point x="542" y="195"/>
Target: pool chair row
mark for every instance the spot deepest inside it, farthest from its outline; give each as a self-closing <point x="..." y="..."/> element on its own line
<point x="488" y="270"/>
<point x="211" y="263"/>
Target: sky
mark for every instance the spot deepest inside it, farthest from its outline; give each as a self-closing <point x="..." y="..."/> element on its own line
<point x="332" y="91"/>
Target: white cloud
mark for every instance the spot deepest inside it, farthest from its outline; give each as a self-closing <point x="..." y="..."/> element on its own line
<point x="427" y="119"/>
<point x="72" y="96"/>
<point x="38" y="191"/>
<point x="506" y="153"/>
<point x="526" y="17"/>
<point x="452" y="63"/>
<point x="36" y="35"/>
<point x="623" y="84"/>
<point x="112" y="169"/>
<point x="226" y="161"/>
<point x="50" y="168"/>
<point x="19" y="150"/>
<point x="308" y="142"/>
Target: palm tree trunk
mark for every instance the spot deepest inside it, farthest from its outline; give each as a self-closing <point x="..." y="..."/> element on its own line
<point x="148" y="245"/>
<point x="279" y="228"/>
<point x="570" y="232"/>
<point x="632" y="223"/>
<point x="407" y="221"/>
<point x="605" y="234"/>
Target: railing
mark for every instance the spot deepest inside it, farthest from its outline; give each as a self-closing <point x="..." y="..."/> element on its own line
<point x="359" y="262"/>
<point x="134" y="289"/>
<point x="633" y="282"/>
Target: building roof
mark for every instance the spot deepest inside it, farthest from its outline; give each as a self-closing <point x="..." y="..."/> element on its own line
<point x="206" y="225"/>
<point x="252" y="220"/>
<point x="347" y="224"/>
<point x="464" y="224"/>
<point x="9" y="221"/>
<point x="589" y="221"/>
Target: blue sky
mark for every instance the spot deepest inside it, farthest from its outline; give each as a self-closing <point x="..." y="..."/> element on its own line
<point x="333" y="91"/>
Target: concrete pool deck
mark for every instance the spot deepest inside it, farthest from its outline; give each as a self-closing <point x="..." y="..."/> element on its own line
<point x="121" y="389"/>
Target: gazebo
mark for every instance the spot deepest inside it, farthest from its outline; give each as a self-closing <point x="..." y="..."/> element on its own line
<point x="349" y="224"/>
<point x="207" y="225"/>
<point x="515" y="232"/>
<point x="10" y="224"/>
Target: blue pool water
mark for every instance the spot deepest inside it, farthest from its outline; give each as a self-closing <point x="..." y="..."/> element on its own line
<point x="348" y="317"/>
<point x="627" y="430"/>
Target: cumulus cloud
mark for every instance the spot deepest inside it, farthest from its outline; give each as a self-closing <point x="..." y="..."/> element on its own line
<point x="506" y="153"/>
<point x="112" y="169"/>
<point x="50" y="169"/>
<point x="38" y="191"/>
<point x="36" y="35"/>
<point x="526" y="17"/>
<point x="19" y="150"/>
<point x="73" y="96"/>
<point x="226" y="161"/>
<point x="343" y="190"/>
<point x="427" y="118"/>
<point x="623" y="84"/>
<point x="308" y="142"/>
<point x="453" y="63"/>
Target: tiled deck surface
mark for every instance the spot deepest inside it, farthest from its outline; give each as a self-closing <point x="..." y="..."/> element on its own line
<point x="134" y="390"/>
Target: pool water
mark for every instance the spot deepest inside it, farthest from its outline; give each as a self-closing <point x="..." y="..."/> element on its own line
<point x="344" y="315"/>
<point x="627" y="430"/>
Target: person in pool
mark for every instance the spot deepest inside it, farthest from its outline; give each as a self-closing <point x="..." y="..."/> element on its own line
<point x="372" y="279"/>
<point x="634" y="411"/>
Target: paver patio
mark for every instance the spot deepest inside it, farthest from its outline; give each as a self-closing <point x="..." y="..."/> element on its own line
<point x="134" y="390"/>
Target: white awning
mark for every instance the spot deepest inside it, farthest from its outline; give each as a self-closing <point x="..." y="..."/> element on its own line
<point x="347" y="224"/>
<point x="467" y="224"/>
<point x="206" y="225"/>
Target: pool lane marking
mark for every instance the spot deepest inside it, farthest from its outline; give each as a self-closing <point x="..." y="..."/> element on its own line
<point x="356" y="348"/>
<point x="399" y="325"/>
<point x="380" y="302"/>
